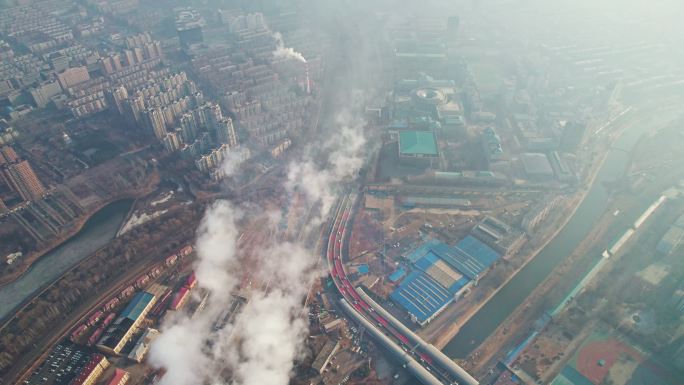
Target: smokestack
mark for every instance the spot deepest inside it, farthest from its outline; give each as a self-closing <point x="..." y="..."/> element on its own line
<point x="308" y="81"/>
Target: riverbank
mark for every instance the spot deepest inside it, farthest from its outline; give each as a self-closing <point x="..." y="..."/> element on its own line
<point x="563" y="217"/>
<point x="596" y="218"/>
<point x="510" y="295"/>
<point x="95" y="235"/>
<point x="29" y="261"/>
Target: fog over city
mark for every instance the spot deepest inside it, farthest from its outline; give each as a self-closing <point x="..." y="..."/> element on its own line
<point x="341" y="192"/>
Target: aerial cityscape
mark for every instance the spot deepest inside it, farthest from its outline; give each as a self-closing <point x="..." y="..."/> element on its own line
<point x="274" y="192"/>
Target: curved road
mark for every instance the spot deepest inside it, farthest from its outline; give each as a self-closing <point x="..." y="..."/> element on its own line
<point x="339" y="232"/>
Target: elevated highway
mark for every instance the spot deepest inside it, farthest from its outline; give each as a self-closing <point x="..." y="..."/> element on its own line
<point x="424" y="361"/>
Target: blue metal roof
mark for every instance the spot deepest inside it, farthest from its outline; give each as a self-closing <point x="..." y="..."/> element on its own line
<point x="470" y="256"/>
<point x="363" y="269"/>
<point x="137" y="305"/>
<point x="397" y="275"/>
<point x="420" y="295"/>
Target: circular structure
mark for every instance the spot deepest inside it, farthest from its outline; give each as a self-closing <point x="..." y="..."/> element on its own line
<point x="429" y="96"/>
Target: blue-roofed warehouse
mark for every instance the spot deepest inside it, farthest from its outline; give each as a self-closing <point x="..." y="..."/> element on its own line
<point x="440" y="273"/>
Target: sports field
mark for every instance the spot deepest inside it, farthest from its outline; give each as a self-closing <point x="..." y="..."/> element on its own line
<point x="606" y="359"/>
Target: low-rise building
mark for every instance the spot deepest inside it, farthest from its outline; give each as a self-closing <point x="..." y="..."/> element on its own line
<point x="141" y="347"/>
<point x="537" y="167"/>
<point x="120" y="377"/>
<point x="92" y="370"/>
<point x="323" y="358"/>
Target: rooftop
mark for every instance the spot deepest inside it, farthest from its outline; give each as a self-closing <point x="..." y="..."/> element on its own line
<point x="118" y="375"/>
<point x="470" y="256"/>
<point x="137" y="305"/>
<point x="417" y="142"/>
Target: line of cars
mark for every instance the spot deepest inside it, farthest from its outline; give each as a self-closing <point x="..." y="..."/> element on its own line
<point x="334" y="252"/>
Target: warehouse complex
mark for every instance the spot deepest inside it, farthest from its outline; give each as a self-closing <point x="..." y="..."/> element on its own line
<point x="121" y="331"/>
<point x="441" y="272"/>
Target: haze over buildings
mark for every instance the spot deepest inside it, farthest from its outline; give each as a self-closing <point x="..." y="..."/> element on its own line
<point x="472" y="192"/>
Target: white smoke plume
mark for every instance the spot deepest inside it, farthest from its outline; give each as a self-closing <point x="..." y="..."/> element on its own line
<point x="267" y="337"/>
<point x="180" y="349"/>
<point x="271" y="327"/>
<point x="235" y="158"/>
<point x="344" y="151"/>
<point x="282" y="52"/>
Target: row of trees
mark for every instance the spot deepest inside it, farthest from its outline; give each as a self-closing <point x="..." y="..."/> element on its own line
<point x="70" y="295"/>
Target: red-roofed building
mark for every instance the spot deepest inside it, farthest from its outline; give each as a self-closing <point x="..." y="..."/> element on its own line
<point x="120" y="377"/>
<point x="92" y="370"/>
<point x="191" y="281"/>
<point x="180" y="298"/>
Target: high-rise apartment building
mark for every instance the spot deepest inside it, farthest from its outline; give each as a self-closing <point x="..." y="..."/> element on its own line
<point x="154" y="119"/>
<point x="21" y="177"/>
<point x="225" y="132"/>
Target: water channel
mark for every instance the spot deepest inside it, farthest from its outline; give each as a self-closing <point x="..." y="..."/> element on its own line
<point x="96" y="232"/>
<point x="502" y="304"/>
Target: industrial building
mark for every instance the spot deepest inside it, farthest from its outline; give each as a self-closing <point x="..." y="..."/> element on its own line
<point x="120" y="377"/>
<point x="92" y="370"/>
<point x="121" y="331"/>
<point x="440" y="274"/>
<point x="323" y="358"/>
<point x="180" y="298"/>
<point x="537" y="166"/>
<point x="143" y="345"/>
<point x="418" y="147"/>
<point x="503" y="238"/>
<point x="429" y="201"/>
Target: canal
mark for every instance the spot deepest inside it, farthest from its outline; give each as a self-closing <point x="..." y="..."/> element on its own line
<point x="503" y="303"/>
<point x="96" y="232"/>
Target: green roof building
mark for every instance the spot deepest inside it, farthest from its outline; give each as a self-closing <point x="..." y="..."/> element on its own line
<point x="417" y="144"/>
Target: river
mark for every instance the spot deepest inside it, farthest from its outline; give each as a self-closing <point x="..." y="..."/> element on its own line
<point x="96" y="232"/>
<point x="503" y="303"/>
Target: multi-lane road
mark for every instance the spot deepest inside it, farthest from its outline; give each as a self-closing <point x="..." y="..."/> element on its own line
<point x="423" y="360"/>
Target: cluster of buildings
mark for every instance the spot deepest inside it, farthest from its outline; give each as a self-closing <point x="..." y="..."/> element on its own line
<point x="173" y="109"/>
<point x="71" y="364"/>
<point x="139" y="49"/>
<point x="440" y="274"/>
<point x="41" y="30"/>
<point x="255" y="85"/>
<point x="127" y="75"/>
<point x="238" y="20"/>
<point x="36" y="27"/>
<point x="131" y="68"/>
<point x="122" y="329"/>
<point x="262" y="104"/>
<point x="115" y="7"/>
<point x="42" y="212"/>
<point x="60" y="71"/>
